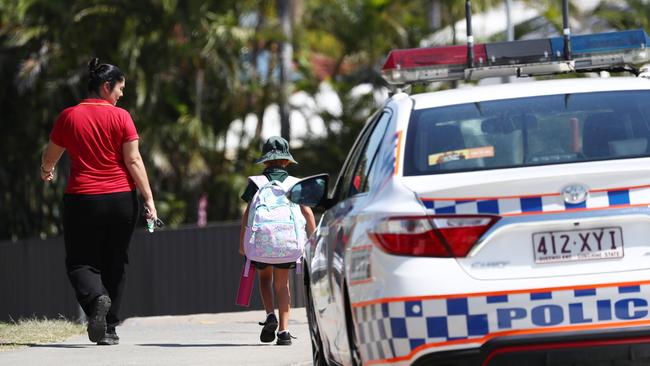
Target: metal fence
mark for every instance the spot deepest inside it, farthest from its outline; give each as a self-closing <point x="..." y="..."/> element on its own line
<point x="171" y="272"/>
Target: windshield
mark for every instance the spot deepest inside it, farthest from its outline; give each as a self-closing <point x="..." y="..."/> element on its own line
<point x="539" y="130"/>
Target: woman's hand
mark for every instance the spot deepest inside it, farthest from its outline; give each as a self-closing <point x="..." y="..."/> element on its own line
<point x="50" y="157"/>
<point x="47" y="176"/>
<point x="150" y="210"/>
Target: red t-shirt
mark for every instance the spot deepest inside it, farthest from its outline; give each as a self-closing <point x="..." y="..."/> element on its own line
<point x="93" y="133"/>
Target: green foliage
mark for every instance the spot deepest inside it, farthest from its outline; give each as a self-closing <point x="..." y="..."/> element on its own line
<point x="631" y="14"/>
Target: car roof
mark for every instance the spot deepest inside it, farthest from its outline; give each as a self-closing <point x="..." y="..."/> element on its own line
<point x="471" y="94"/>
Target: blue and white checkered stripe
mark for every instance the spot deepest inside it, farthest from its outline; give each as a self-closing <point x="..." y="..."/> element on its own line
<point x="394" y="329"/>
<point x="375" y="332"/>
<point x="551" y="203"/>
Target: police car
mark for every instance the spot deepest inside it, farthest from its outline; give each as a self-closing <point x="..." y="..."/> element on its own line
<point x="491" y="225"/>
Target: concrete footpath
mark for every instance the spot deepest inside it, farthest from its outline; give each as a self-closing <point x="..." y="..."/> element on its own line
<point x="202" y="339"/>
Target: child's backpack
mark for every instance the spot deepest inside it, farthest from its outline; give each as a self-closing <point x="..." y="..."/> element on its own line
<point x="275" y="230"/>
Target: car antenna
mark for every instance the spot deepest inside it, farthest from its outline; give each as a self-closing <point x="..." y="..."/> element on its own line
<point x="470" y="37"/>
<point x="566" y="30"/>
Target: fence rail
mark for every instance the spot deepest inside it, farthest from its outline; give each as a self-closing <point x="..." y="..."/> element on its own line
<point x="171" y="272"/>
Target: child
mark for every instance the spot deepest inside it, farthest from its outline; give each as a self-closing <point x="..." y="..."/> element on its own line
<point x="276" y="158"/>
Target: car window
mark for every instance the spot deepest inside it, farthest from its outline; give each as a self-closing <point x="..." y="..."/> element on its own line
<point x="528" y="131"/>
<point x="361" y="179"/>
<point x="348" y="174"/>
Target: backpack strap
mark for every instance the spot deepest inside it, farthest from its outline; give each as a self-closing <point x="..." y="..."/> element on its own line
<point x="259" y="180"/>
<point x="247" y="267"/>
<point x="299" y="265"/>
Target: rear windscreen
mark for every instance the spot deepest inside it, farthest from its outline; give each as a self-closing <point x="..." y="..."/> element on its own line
<point x="541" y="130"/>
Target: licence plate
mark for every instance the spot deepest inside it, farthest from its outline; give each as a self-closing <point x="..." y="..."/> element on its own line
<point x="577" y="245"/>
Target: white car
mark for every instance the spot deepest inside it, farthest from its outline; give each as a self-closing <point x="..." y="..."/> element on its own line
<point x="490" y="225"/>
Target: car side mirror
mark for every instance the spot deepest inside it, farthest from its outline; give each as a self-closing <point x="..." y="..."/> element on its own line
<point x="311" y="191"/>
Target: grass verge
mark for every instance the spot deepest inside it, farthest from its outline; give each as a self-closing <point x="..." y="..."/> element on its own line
<point x="25" y="332"/>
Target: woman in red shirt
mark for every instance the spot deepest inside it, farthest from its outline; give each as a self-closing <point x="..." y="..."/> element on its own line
<point x="100" y="202"/>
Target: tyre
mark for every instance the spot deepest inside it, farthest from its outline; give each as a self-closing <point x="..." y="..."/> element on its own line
<point x="355" y="356"/>
<point x="317" y="351"/>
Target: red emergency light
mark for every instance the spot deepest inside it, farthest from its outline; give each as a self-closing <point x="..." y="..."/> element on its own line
<point x="430" y="64"/>
<point x="418" y="57"/>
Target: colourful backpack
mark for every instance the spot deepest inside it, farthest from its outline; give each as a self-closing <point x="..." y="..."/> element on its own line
<point x="275" y="230"/>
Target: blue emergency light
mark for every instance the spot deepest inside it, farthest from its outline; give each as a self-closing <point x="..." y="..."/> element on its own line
<point x="606" y="50"/>
<point x="599" y="43"/>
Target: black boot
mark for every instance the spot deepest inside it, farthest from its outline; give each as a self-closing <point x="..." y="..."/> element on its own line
<point x="97" y="320"/>
<point x="110" y="338"/>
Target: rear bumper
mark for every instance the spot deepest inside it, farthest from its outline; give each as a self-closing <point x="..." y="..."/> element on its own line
<point x="613" y="347"/>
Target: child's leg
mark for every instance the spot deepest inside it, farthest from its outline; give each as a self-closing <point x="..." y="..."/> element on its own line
<point x="266" y="290"/>
<point x="281" y="287"/>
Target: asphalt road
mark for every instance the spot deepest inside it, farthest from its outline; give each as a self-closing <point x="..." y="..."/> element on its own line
<point x="202" y="339"/>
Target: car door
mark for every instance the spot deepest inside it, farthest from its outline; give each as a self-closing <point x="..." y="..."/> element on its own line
<point x="337" y="222"/>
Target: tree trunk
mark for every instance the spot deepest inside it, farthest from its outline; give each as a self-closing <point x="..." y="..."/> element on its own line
<point x="286" y="55"/>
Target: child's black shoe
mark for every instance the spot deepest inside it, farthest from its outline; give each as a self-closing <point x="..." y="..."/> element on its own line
<point x="269" y="327"/>
<point x="284" y="338"/>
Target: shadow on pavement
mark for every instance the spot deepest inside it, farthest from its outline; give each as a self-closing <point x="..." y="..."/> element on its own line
<point x="49" y="345"/>
<point x="202" y="345"/>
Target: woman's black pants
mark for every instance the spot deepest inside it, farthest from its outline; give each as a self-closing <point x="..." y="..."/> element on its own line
<point x="97" y="230"/>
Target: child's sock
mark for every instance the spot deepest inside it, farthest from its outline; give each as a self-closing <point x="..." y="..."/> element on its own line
<point x="267" y="315"/>
<point x="283" y="331"/>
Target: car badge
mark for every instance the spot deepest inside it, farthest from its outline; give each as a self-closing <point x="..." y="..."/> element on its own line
<point x="575" y="193"/>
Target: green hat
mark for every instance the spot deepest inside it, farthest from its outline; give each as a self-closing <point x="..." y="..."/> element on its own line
<point x="276" y="148"/>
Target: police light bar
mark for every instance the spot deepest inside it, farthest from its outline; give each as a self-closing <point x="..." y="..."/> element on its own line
<point x="603" y="51"/>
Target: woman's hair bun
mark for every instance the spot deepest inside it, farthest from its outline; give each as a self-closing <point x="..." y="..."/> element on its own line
<point x="102" y="73"/>
<point x="93" y="65"/>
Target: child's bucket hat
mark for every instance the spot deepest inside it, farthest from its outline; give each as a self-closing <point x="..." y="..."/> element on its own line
<point x="276" y="148"/>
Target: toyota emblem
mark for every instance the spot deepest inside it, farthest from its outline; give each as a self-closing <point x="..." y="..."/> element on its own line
<point x="575" y="193"/>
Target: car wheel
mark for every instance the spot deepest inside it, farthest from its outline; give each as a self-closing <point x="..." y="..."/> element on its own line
<point x="317" y="351"/>
<point x="355" y="356"/>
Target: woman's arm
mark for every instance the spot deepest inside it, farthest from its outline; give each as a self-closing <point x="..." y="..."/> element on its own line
<point x="135" y="166"/>
<point x="242" y="230"/>
<point x="51" y="156"/>
<point x="309" y="216"/>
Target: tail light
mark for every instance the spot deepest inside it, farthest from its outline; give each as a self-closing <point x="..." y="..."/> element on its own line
<point x="431" y="236"/>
